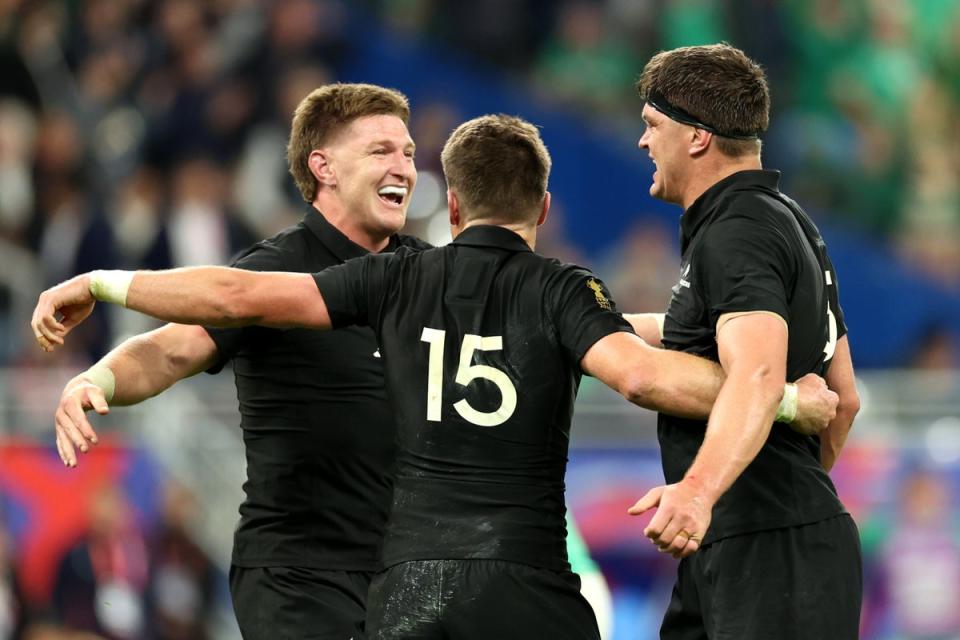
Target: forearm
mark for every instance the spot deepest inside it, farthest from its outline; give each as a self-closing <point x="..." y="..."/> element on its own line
<point x="841" y="379"/>
<point x="649" y="326"/>
<point x="834" y="437"/>
<point x="680" y="384"/>
<point x="738" y="427"/>
<point x="146" y="365"/>
<point x="216" y="296"/>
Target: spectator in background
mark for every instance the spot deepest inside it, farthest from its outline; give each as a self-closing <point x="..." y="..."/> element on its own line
<point x="584" y="62"/>
<point x="180" y="595"/>
<point x="921" y="561"/>
<point x="101" y="581"/>
<point x="201" y="227"/>
<point x="13" y="610"/>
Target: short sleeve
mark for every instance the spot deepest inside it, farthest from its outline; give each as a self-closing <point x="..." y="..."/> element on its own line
<point x="352" y="291"/>
<point x="259" y="257"/>
<point x="743" y="264"/>
<point x="583" y="311"/>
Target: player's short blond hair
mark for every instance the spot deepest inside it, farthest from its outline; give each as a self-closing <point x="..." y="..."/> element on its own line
<point x="498" y="166"/>
<point x="325" y="111"/>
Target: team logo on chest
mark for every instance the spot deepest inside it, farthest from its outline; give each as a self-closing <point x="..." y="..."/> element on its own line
<point x="684" y="274"/>
<point x="597" y="289"/>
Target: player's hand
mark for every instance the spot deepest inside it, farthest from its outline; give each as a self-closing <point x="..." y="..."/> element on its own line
<point x="816" y="405"/>
<point x="682" y="518"/>
<point x="60" y="309"/>
<point x="72" y="428"/>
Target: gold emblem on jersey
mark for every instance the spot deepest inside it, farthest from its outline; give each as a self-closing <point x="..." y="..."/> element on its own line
<point x="602" y="300"/>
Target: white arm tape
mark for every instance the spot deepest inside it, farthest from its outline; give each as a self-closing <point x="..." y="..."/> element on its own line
<point x="787" y="410"/>
<point x="111" y="286"/>
<point x="660" y="318"/>
<point x="102" y="376"/>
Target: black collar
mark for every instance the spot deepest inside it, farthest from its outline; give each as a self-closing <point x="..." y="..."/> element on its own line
<point x="333" y="239"/>
<point x="704" y="207"/>
<point x="484" y="235"/>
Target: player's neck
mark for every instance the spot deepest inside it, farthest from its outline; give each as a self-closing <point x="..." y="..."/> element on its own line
<point x="715" y="171"/>
<point x="340" y="219"/>
<point x="526" y="231"/>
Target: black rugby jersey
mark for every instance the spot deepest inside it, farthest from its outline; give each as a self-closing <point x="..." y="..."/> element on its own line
<point x="482" y="342"/>
<point x="747" y="247"/>
<point x="317" y="425"/>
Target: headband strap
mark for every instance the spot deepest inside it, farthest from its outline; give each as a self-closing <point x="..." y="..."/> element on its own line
<point x="656" y="100"/>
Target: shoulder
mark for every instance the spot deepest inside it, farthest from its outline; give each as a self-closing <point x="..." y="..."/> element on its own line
<point x="412" y="242"/>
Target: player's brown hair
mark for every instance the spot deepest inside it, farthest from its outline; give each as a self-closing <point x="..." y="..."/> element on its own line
<point x="719" y="85"/>
<point x="325" y="111"/>
<point x="498" y="166"/>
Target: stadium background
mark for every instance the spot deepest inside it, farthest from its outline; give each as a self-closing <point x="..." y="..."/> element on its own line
<point x="149" y="134"/>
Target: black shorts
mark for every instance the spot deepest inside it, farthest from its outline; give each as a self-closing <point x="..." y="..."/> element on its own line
<point x="299" y="603"/>
<point x="796" y="583"/>
<point x="482" y="599"/>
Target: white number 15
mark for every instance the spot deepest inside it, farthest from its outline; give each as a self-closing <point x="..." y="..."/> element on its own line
<point x="466" y="373"/>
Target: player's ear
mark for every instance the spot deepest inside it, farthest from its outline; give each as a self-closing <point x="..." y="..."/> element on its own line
<point x="700" y="141"/>
<point x="546" y="209"/>
<point x="453" y="207"/>
<point x="319" y="163"/>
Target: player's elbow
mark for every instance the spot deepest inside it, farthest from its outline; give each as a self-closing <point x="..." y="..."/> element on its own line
<point x="639" y="387"/>
<point x="765" y="380"/>
<point x="849" y="405"/>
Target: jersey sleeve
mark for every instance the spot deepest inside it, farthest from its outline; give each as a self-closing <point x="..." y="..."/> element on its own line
<point x="352" y="290"/>
<point x="584" y="312"/>
<point x="259" y="257"/>
<point x="743" y="265"/>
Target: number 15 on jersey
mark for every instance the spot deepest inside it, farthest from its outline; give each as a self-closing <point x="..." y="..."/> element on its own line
<point x="467" y="373"/>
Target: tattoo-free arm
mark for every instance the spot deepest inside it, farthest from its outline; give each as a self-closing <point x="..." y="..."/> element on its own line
<point x="753" y="352"/>
<point x="141" y="367"/>
<point x="841" y="380"/>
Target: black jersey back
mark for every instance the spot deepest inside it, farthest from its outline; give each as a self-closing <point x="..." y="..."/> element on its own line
<point x="482" y="341"/>
<point x="317" y="426"/>
<point x="746" y="247"/>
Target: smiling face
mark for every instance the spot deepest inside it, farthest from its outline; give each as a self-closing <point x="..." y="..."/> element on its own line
<point x="371" y="175"/>
<point x="667" y="143"/>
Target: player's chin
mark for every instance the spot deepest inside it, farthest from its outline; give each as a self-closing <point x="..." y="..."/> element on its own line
<point x="656" y="189"/>
<point x="392" y="219"/>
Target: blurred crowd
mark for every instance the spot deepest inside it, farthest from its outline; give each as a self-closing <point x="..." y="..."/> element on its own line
<point x="118" y="576"/>
<point x="151" y="133"/>
<point x="866" y="93"/>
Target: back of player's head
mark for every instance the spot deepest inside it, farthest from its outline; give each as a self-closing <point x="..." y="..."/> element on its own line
<point x="324" y="112"/>
<point x="498" y="166"/>
<point x="717" y="86"/>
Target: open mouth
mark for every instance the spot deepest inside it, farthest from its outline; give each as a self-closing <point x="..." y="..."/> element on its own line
<point x="393" y="195"/>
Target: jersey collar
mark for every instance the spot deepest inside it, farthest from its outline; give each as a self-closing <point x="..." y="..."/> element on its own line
<point x="484" y="235"/>
<point x="704" y="207"/>
<point x="333" y="239"/>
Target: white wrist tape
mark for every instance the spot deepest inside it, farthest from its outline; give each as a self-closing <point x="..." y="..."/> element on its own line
<point x="111" y="286"/>
<point x="787" y="410"/>
<point x="660" y="318"/>
<point x="102" y="376"/>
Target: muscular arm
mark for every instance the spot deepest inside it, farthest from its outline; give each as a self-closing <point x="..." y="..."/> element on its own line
<point x="142" y="367"/>
<point x="224" y="297"/>
<point x="841" y="380"/>
<point x="151" y="363"/>
<point x="753" y="353"/>
<point x="212" y="296"/>
<point x="687" y="386"/>
<point x="669" y="381"/>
